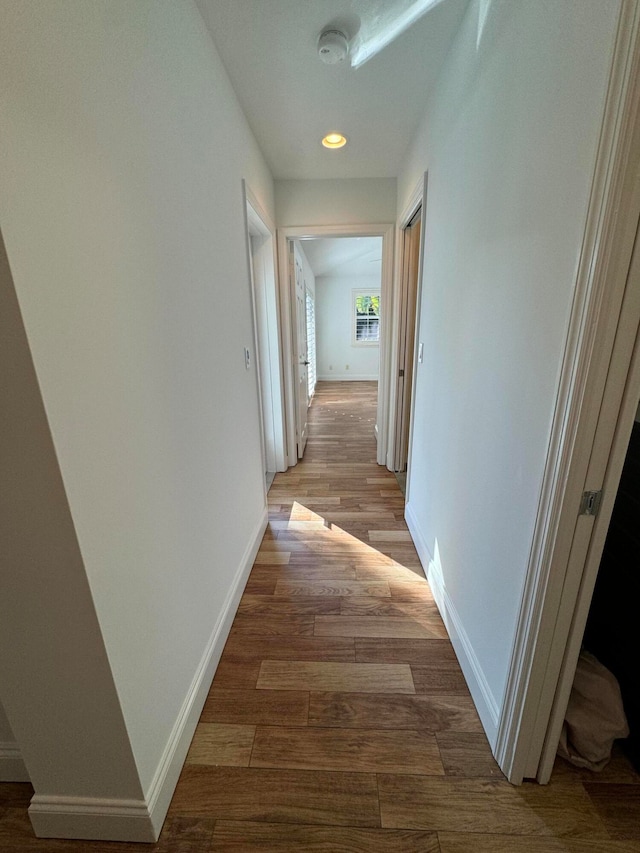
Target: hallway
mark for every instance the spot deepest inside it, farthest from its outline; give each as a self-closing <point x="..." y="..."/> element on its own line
<point x="339" y="719"/>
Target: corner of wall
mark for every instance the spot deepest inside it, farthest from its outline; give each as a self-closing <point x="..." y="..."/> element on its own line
<point x="12" y="766"/>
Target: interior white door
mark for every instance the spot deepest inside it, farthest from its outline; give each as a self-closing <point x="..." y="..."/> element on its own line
<point x="301" y="355"/>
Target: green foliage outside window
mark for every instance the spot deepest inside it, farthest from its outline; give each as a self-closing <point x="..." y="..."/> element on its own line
<point x="369" y="305"/>
<point x="367" y="317"/>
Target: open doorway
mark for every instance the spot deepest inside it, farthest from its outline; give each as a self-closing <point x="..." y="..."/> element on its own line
<point x="348" y="337"/>
<point x="347" y="275"/>
<point x="265" y="307"/>
<point x="337" y="315"/>
<point x="611" y="633"/>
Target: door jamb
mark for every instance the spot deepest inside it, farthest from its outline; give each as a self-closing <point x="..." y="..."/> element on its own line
<point x="263" y="223"/>
<point x="551" y="584"/>
<point x="414" y="378"/>
<point x="386" y="231"/>
<point x="613" y="432"/>
<point x="416" y="201"/>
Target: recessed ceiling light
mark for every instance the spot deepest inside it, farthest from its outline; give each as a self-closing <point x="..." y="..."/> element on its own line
<point x="334" y="140"/>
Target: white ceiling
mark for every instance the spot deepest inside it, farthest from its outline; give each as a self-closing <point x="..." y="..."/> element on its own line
<point x="344" y="256"/>
<point x="292" y="99"/>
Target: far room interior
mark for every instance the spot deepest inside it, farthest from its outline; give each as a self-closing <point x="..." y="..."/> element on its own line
<point x="345" y="275"/>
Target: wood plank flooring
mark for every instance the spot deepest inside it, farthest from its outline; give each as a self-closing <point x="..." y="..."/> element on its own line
<point x="339" y="719"/>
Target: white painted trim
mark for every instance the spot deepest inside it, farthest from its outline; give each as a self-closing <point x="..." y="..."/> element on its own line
<point x="481" y="694"/>
<point x="348" y="377"/>
<point x="550" y="592"/>
<point x="606" y="463"/>
<point x="12" y="766"/>
<point x="414" y="202"/>
<point x="91" y="818"/>
<point x="386" y="331"/>
<point x="286" y="351"/>
<point x="271" y="331"/>
<point x="141" y="820"/>
<point x="386" y="231"/>
<point x="252" y="199"/>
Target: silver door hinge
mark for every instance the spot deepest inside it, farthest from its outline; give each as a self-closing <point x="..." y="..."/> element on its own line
<point x="401" y="373"/>
<point x="590" y="503"/>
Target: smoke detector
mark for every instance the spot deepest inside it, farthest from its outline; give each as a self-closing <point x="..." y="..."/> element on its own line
<point x="333" y="47"/>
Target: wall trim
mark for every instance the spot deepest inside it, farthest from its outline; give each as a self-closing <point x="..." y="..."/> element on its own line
<point x="267" y="324"/>
<point x="91" y="818"/>
<point x="12" y="766"/>
<point x="414" y="202"/>
<point x="481" y="693"/>
<point x="141" y="820"/>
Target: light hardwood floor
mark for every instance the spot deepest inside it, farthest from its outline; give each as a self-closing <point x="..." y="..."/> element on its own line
<point x="339" y="720"/>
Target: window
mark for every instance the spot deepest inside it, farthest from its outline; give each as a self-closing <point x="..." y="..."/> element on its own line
<point x="366" y="326"/>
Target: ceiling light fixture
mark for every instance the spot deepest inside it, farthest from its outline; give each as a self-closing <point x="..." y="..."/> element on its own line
<point x="334" y="140"/>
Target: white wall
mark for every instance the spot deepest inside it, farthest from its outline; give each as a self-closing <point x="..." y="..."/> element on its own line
<point x="509" y="140"/>
<point x="338" y="357"/>
<point x="121" y="205"/>
<point x="57" y="688"/>
<point x="335" y="202"/>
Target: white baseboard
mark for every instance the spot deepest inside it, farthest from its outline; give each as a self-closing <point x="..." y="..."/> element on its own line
<point x="349" y="377"/>
<point x="91" y="818"/>
<point x="166" y="777"/>
<point x="141" y="820"/>
<point x="12" y="767"/>
<point x="481" y="694"/>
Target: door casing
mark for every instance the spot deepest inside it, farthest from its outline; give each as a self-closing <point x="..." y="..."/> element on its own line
<point x="265" y="305"/>
<point x="287" y="301"/>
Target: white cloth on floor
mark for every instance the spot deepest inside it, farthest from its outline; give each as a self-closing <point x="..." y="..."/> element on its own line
<point x="595" y="715"/>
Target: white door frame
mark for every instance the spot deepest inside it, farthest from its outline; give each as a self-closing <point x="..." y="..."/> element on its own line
<point x="557" y="566"/>
<point x="297" y="263"/>
<point x="287" y="301"/>
<point x="615" y="424"/>
<point x="267" y="336"/>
